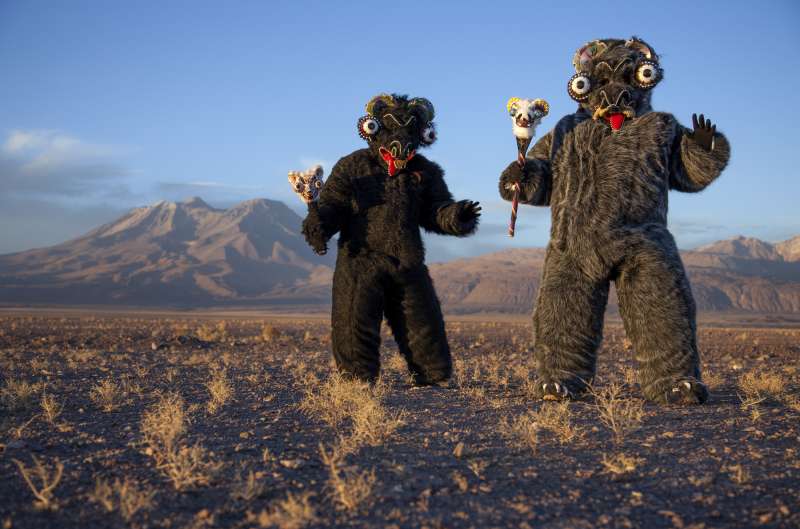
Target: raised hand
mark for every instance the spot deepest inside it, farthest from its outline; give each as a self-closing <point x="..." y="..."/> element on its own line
<point x="469" y="211"/>
<point x="703" y="132"/>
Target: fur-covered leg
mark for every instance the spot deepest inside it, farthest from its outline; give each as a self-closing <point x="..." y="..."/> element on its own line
<point x="415" y="316"/>
<point x="356" y="318"/>
<point x="567" y="326"/>
<point x="658" y="310"/>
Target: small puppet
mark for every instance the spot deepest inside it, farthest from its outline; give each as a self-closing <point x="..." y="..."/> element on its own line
<point x="378" y="199"/>
<point x="307" y="184"/>
<point x="526" y="114"/>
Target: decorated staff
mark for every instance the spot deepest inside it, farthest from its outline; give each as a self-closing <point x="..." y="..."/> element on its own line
<point x="525" y="114"/>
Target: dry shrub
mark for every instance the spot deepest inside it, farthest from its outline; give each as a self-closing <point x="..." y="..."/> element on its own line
<point x="163" y="426"/>
<point x="629" y="376"/>
<point x="343" y="403"/>
<point x="220" y="390"/>
<point x="213" y="333"/>
<point x="51" y="408"/>
<point x="107" y="395"/>
<point x="126" y="496"/>
<point x="620" y="463"/>
<point x="350" y="488"/>
<point x="713" y="379"/>
<point x="18" y="395"/>
<point x="295" y="512"/>
<point x="248" y="488"/>
<point x="42" y="481"/>
<point x="552" y="418"/>
<point x="738" y="474"/>
<point x="269" y="333"/>
<point x="618" y="413"/>
<point x="396" y="363"/>
<point x="757" y="387"/>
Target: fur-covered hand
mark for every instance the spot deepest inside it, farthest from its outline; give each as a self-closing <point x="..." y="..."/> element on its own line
<point x="513" y="174"/>
<point x="468" y="211"/>
<point x="313" y="231"/>
<point x="703" y="132"/>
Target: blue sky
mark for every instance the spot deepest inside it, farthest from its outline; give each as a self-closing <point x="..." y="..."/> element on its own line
<point x="109" y="105"/>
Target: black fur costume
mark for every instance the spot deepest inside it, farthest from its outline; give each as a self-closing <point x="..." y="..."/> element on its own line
<point x="607" y="190"/>
<point x="380" y="266"/>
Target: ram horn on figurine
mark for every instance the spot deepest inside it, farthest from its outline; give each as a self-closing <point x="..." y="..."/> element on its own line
<point x="526" y="114"/>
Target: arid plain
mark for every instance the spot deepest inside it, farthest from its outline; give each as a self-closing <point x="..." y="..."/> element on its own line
<point x="161" y="420"/>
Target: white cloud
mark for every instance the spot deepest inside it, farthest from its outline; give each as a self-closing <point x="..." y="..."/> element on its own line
<point x="54" y="164"/>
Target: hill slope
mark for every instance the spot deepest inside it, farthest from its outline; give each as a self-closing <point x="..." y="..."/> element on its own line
<point x="171" y="253"/>
<point x="737" y="274"/>
<point x="190" y="254"/>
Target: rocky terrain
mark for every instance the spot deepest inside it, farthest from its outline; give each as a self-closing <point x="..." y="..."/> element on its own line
<point x="169" y="421"/>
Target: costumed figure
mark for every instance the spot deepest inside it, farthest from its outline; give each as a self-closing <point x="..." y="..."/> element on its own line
<point x="605" y="171"/>
<point x="377" y="199"/>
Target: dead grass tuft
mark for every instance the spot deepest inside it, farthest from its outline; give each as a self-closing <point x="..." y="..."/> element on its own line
<point x="18" y="395"/>
<point x="713" y="379"/>
<point x="126" y="496"/>
<point x="48" y="480"/>
<point x="220" y="390"/>
<point x="738" y="474"/>
<point x="552" y="418"/>
<point x="248" y="488"/>
<point x="213" y="333"/>
<point x="350" y="488"/>
<point x="622" y="415"/>
<point x="51" y="408"/>
<point x="269" y="333"/>
<point x="295" y="512"/>
<point x="344" y="403"/>
<point x="620" y="463"/>
<point x="758" y="387"/>
<point x="107" y="395"/>
<point x="163" y="426"/>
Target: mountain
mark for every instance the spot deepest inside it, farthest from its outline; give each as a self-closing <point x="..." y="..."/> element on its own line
<point x="191" y="254"/>
<point x="740" y="274"/>
<point x="185" y="253"/>
<point x="790" y="249"/>
<point x="744" y="247"/>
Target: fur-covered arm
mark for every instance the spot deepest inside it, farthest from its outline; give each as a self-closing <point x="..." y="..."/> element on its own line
<point x="535" y="179"/>
<point x="692" y="166"/>
<point x="440" y="213"/>
<point x="326" y="215"/>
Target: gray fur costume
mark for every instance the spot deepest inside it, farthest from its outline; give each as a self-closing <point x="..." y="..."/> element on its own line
<point x="607" y="190"/>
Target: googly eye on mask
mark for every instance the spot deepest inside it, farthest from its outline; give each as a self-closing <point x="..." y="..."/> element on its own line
<point x="429" y="134"/>
<point x="368" y="127"/>
<point x="579" y="86"/>
<point x="647" y="74"/>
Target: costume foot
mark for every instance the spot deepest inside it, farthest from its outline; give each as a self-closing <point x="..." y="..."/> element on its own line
<point x="687" y="392"/>
<point x="419" y="380"/>
<point x="553" y="391"/>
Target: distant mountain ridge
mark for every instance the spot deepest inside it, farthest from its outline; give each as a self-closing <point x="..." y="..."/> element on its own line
<point x="191" y="254"/>
<point x="175" y="253"/>
<point x="739" y="274"/>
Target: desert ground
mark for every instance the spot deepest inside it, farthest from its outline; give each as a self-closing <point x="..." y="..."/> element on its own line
<point x="163" y="420"/>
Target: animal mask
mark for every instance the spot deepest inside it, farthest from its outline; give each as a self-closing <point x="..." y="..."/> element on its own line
<point x="526" y="115"/>
<point x="395" y="127"/>
<point x="307" y="184"/>
<point x="613" y="79"/>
